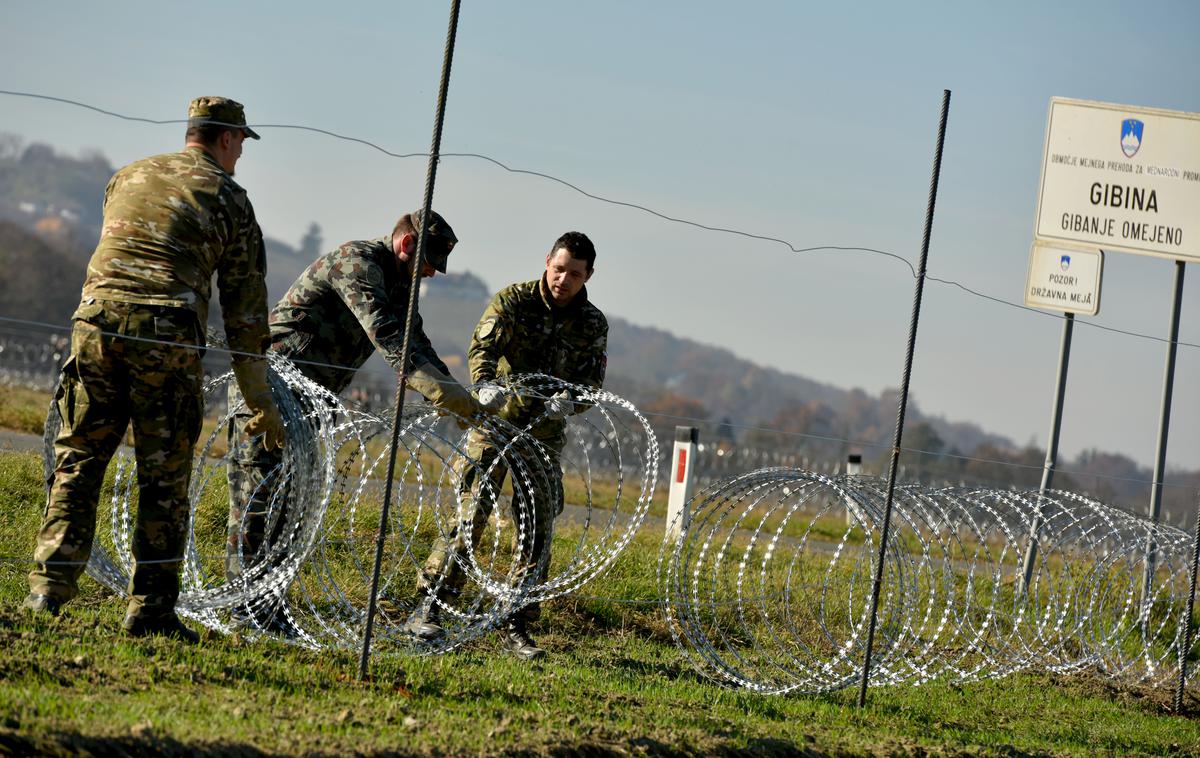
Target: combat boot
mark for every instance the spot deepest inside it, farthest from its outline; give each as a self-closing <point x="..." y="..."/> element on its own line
<point x="165" y="626"/>
<point x="425" y="623"/>
<point x="519" y="643"/>
<point x="42" y="604"/>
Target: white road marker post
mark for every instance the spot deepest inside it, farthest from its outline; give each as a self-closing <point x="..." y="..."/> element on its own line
<point x="853" y="468"/>
<point x="683" y="458"/>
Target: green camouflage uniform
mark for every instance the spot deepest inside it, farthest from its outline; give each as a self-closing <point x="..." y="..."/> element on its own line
<point x="170" y="222"/>
<point x="344" y="306"/>
<point x="522" y="332"/>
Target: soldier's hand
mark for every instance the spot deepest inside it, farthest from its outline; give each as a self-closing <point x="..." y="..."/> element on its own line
<point x="559" y="406"/>
<point x="252" y="381"/>
<point x="267" y="422"/>
<point x="491" y="397"/>
<point x="443" y="391"/>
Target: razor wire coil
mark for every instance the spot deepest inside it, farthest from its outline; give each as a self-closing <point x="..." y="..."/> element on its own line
<point x="307" y="581"/>
<point x="766" y="585"/>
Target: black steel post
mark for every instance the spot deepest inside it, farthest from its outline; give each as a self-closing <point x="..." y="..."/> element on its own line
<point x="904" y="382"/>
<point x="417" y="265"/>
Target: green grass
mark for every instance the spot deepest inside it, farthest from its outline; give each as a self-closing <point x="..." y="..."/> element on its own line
<point x="23" y="410"/>
<point x="613" y="682"/>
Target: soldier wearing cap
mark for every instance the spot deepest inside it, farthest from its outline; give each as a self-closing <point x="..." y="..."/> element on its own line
<point x="170" y="222"/>
<point x="343" y="307"/>
<point x="544" y="326"/>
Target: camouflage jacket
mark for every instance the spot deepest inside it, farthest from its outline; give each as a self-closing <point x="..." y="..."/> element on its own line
<point x="521" y="332"/>
<point x="170" y="221"/>
<point x="344" y="305"/>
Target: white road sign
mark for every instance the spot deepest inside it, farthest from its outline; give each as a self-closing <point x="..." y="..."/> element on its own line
<point x="1064" y="279"/>
<point x="1119" y="177"/>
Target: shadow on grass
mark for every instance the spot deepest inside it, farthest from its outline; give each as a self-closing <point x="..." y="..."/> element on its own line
<point x="69" y="745"/>
<point x="770" y="748"/>
<point x="671" y="670"/>
<point x="592" y="617"/>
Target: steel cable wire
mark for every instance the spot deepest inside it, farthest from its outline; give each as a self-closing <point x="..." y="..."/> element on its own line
<point x="793" y="247"/>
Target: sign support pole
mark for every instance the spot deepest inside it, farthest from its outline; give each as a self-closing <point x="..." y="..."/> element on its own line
<point x="1164" y="423"/>
<point x="908" y="360"/>
<point x="1064" y="357"/>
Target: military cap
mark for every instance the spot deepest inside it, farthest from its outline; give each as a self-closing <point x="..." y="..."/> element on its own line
<point x="219" y="111"/>
<point x="436" y="255"/>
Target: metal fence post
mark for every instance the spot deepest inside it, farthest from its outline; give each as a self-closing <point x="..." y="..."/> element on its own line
<point x="873" y="608"/>
<point x="406" y="345"/>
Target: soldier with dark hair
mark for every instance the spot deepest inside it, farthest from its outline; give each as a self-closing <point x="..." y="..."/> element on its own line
<point x="343" y="307"/>
<point x="544" y="326"/>
<point x="170" y="223"/>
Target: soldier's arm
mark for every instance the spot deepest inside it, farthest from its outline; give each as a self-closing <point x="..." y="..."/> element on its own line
<point x="590" y="360"/>
<point x="491" y="338"/>
<point x="591" y="363"/>
<point x="595" y="360"/>
<point x="241" y="279"/>
<point x="421" y="349"/>
<point x="359" y="283"/>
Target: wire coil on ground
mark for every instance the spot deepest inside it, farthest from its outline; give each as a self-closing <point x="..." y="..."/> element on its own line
<point x="308" y="581"/>
<point x="767" y="585"/>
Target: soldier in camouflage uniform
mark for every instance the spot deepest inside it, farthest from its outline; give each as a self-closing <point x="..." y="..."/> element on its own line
<point x="545" y="326"/>
<point x="345" y="305"/>
<point x="170" y="222"/>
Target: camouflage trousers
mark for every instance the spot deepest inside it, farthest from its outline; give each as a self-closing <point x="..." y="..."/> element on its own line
<point x="109" y="382"/>
<point x="252" y="471"/>
<point x="443" y="573"/>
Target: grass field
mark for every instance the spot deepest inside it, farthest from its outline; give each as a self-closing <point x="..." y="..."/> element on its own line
<point x="613" y="683"/>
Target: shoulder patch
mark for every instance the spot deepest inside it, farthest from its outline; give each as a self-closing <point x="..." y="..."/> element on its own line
<point x="487" y="328"/>
<point x="374" y="276"/>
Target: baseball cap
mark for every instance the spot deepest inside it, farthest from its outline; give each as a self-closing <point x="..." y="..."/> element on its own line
<point x="219" y="111"/>
<point x="440" y="234"/>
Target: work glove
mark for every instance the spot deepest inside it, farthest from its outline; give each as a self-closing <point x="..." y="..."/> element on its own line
<point x="490" y="396"/>
<point x="443" y="391"/>
<point x="252" y="381"/>
<point x="559" y="406"/>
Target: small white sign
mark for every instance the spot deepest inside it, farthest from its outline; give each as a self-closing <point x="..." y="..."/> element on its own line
<point x="1119" y="177"/>
<point x="1064" y="279"/>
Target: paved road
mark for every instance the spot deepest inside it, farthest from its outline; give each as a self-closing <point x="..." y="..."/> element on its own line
<point x="19" y="441"/>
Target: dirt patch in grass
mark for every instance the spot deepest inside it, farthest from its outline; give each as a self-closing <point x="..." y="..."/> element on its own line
<point x="1149" y="699"/>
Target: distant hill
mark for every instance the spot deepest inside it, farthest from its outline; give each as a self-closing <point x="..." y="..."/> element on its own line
<point x="37" y="184"/>
<point x="50" y="218"/>
<point x="42" y="274"/>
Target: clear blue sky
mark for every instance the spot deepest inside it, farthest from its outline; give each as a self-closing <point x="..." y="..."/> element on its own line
<point x="811" y="122"/>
